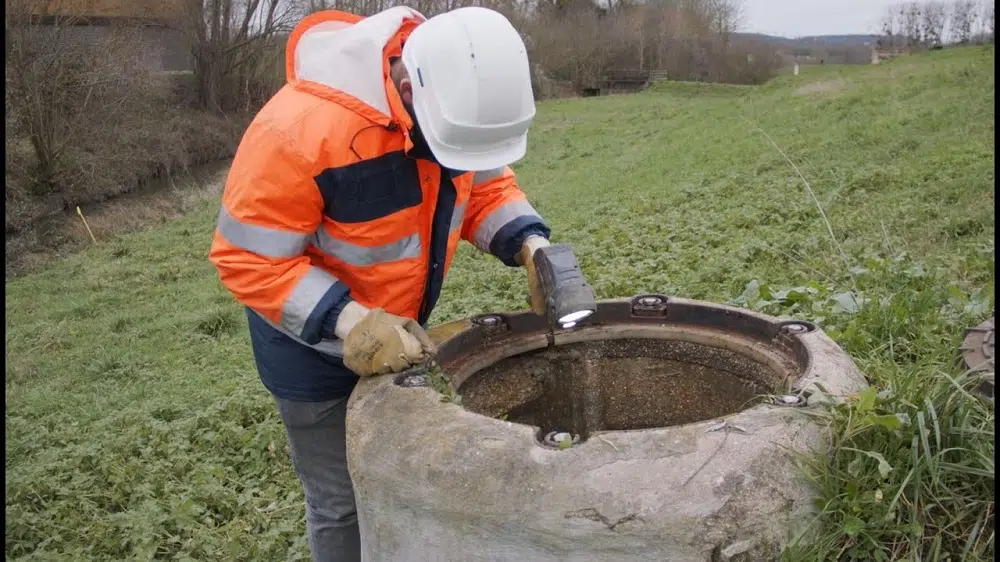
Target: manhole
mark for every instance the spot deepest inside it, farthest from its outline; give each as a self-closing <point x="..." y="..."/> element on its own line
<point x="619" y="384"/>
<point x="660" y="429"/>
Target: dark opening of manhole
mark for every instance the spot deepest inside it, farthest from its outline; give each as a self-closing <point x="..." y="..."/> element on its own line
<point x="620" y="384"/>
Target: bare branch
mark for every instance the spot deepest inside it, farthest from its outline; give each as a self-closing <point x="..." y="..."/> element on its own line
<point x="963" y="20"/>
<point x="935" y="16"/>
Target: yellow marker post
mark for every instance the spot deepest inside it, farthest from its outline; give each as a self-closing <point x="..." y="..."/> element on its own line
<point x="85" y="225"/>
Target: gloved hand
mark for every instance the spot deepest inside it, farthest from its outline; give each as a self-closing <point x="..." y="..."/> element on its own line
<point x="380" y="342"/>
<point x="535" y="297"/>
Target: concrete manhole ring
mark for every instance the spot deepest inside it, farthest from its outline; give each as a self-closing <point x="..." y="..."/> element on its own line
<point x="659" y="429"/>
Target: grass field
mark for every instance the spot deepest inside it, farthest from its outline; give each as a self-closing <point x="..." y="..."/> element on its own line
<point x="136" y="427"/>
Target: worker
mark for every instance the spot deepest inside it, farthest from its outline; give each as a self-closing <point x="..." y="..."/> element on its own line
<point x="346" y="200"/>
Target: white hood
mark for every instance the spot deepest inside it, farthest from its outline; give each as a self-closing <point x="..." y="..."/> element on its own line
<point x="348" y="57"/>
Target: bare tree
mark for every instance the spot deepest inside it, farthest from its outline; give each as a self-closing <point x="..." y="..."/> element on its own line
<point x="70" y="89"/>
<point x="235" y="42"/>
<point x="890" y="29"/>
<point x="935" y="17"/>
<point x="991" y="21"/>
<point x="726" y="16"/>
<point x="578" y="41"/>
<point x="986" y="20"/>
<point x="963" y="20"/>
<point x="911" y="16"/>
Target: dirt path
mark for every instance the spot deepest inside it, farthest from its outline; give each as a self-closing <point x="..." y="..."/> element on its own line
<point x="158" y="201"/>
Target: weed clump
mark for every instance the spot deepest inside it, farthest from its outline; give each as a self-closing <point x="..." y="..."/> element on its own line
<point x="440" y="383"/>
<point x="218" y="322"/>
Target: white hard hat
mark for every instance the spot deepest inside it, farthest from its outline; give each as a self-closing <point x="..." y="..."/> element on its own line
<point x="471" y="88"/>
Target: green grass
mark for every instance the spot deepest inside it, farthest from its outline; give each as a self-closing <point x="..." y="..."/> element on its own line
<point x="136" y="427"/>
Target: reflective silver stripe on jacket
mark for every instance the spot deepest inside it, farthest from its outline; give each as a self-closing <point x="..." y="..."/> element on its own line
<point x="457" y="217"/>
<point x="261" y="240"/>
<point x="408" y="247"/>
<point x="486" y="176"/>
<point x="498" y="219"/>
<point x="304" y="299"/>
<point x="329" y="347"/>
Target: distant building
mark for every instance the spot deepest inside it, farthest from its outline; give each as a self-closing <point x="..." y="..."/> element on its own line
<point x="165" y="47"/>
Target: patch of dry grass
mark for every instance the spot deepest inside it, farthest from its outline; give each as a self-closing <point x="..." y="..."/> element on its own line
<point x="158" y="201"/>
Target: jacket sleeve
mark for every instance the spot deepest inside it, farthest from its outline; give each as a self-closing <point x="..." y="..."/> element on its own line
<point x="270" y="211"/>
<point x="498" y="217"/>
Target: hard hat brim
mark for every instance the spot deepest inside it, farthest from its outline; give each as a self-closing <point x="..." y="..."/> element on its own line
<point x="467" y="161"/>
<point x="487" y="157"/>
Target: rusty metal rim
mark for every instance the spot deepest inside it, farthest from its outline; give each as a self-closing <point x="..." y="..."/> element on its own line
<point x="978" y="347"/>
<point x="460" y="369"/>
<point x="470" y="345"/>
<point x="978" y="354"/>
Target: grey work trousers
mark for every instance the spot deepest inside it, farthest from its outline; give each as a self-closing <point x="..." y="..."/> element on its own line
<point x="317" y="438"/>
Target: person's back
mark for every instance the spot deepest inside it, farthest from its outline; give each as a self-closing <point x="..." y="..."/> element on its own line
<point x="341" y="215"/>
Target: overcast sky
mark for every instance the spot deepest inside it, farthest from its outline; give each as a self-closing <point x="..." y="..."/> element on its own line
<point x="796" y="18"/>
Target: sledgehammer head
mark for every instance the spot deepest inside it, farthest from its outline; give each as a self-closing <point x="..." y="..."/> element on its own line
<point x="568" y="298"/>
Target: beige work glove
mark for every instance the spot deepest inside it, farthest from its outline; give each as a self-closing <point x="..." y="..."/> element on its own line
<point x="535" y="297"/>
<point x="383" y="343"/>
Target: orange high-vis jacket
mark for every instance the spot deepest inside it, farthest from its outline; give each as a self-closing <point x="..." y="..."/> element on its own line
<point x="333" y="197"/>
